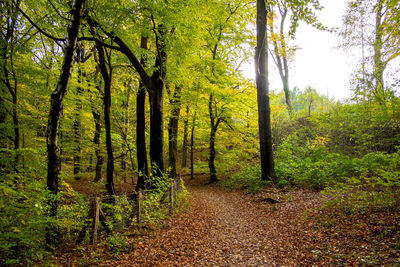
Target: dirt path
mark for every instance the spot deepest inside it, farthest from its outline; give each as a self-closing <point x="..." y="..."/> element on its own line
<point x="229" y="229"/>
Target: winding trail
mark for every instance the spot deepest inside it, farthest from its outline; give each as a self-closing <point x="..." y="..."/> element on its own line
<point x="230" y="229"/>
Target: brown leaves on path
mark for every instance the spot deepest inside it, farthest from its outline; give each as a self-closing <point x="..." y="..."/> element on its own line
<point x="223" y="228"/>
<point x="229" y="229"/>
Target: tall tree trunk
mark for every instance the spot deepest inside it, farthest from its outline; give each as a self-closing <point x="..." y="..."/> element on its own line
<point x="155" y="85"/>
<point x="126" y="106"/>
<point x="379" y="66"/>
<point x="282" y="62"/>
<point x="185" y="139"/>
<point x="157" y="129"/>
<point x="16" y="126"/>
<point x="78" y="125"/>
<point x="192" y="145"/>
<point x="175" y="102"/>
<point x="8" y="76"/>
<point x="213" y="131"/>
<point x="53" y="157"/>
<point x="156" y="95"/>
<point x="107" y="121"/>
<point x="264" y="116"/>
<point x="96" y="141"/>
<point x="143" y="170"/>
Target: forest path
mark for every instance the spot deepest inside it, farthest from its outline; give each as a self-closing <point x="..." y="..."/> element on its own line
<point x="223" y="228"/>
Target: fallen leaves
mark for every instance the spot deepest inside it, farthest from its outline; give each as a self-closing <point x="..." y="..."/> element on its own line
<point x="231" y="229"/>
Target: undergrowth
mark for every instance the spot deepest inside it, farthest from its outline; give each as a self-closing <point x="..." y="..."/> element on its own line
<point x="304" y="161"/>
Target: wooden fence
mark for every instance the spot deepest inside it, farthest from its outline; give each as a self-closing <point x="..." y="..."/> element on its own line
<point x="97" y="217"/>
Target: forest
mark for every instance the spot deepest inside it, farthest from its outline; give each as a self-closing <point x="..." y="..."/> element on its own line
<point x="130" y="135"/>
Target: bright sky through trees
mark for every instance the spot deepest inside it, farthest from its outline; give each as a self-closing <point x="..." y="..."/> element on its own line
<point x="318" y="63"/>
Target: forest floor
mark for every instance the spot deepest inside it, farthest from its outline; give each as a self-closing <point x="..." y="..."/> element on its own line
<point x="222" y="228"/>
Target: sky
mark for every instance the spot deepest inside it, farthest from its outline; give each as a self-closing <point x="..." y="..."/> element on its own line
<point x="318" y="63"/>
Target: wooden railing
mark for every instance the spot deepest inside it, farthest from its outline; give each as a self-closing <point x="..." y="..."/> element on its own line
<point x="97" y="217"/>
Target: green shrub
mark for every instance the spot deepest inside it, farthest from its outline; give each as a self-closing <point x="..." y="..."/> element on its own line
<point x="375" y="184"/>
<point x="23" y="223"/>
<point x="308" y="163"/>
<point x="247" y="180"/>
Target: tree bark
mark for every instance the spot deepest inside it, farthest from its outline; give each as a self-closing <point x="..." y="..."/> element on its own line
<point x="126" y="106"/>
<point x="96" y="141"/>
<point x="156" y="95"/>
<point x="8" y="76"/>
<point x="192" y="145"/>
<point x="107" y="121"/>
<point x="379" y="66"/>
<point x="185" y="139"/>
<point x="53" y="156"/>
<point x="143" y="170"/>
<point x="175" y="102"/>
<point x="213" y="130"/>
<point x="264" y="116"/>
<point x="78" y="126"/>
<point x="155" y="86"/>
<point x="282" y="62"/>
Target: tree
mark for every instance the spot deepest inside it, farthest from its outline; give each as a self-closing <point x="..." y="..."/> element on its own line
<point x="8" y="76"/>
<point x="185" y="138"/>
<point x="175" y="102"/>
<point x="227" y="32"/>
<point x="81" y="56"/>
<point x="264" y="117"/>
<point x="281" y="53"/>
<point x="143" y="170"/>
<point x="106" y="74"/>
<point x="53" y="156"/>
<point x="372" y="26"/>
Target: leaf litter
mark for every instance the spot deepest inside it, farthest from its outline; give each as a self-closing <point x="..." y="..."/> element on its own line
<point x="223" y="228"/>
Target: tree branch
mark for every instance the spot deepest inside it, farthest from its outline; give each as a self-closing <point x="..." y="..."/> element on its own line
<point x="55" y="39"/>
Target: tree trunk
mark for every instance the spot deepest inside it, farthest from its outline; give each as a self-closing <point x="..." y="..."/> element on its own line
<point x="16" y="127"/>
<point x="96" y="141"/>
<point x="213" y="131"/>
<point x="173" y="130"/>
<point x="192" y="145"/>
<point x="156" y="95"/>
<point x="107" y="121"/>
<point x="126" y="105"/>
<point x="379" y="66"/>
<point x="157" y="129"/>
<point x="155" y="86"/>
<point x="264" y="116"/>
<point x="7" y="53"/>
<point x="281" y="62"/>
<point x="185" y="139"/>
<point x="53" y="157"/>
<point x="78" y="126"/>
<point x="143" y="171"/>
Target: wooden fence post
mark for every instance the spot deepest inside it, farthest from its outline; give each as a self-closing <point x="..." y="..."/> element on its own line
<point x="139" y="207"/>
<point x="95" y="223"/>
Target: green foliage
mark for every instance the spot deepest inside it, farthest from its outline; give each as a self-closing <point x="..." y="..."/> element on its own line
<point x="23" y="222"/>
<point x="72" y="212"/>
<point x="23" y="209"/>
<point x="376" y="183"/>
<point x="303" y="160"/>
<point x="247" y="180"/>
<point x="117" y="243"/>
<point x="121" y="210"/>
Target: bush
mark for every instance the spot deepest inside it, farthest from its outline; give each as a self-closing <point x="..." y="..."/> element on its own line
<point x="23" y="223"/>
<point x="247" y="180"/>
<point x="375" y="184"/>
<point x="304" y="161"/>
